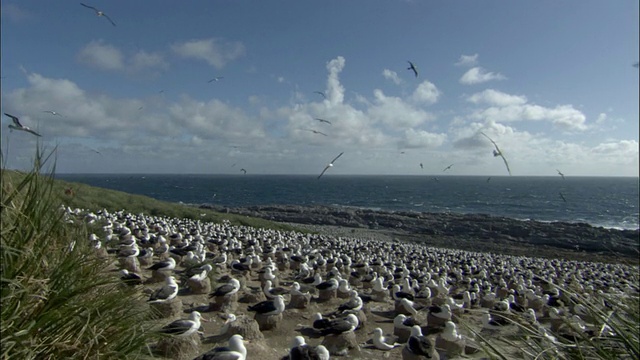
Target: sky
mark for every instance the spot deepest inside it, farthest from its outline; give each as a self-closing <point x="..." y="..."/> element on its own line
<point x="553" y="83"/>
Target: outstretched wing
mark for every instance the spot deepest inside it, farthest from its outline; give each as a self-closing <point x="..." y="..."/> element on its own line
<point x="498" y="152"/>
<point x="323" y="171"/>
<point x="15" y="120"/>
<point x="90" y="7"/>
<point x="108" y="18"/>
<point x="336" y="158"/>
<point x="505" y="163"/>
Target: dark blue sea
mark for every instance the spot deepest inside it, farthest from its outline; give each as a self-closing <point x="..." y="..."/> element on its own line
<point x="600" y="201"/>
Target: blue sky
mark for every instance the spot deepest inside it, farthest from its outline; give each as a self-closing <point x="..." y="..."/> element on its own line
<point x="551" y="82"/>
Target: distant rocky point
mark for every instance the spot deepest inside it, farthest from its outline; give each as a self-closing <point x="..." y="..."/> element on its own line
<point x="474" y="232"/>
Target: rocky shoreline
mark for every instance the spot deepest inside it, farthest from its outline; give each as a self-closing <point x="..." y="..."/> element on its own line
<point x="471" y="232"/>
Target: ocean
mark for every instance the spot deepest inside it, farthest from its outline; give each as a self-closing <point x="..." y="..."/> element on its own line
<point x="610" y="202"/>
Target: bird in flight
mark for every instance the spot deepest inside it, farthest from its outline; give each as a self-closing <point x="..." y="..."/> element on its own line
<point x="560" y="173"/>
<point x="323" y="120"/>
<point x="244" y="171"/>
<point x="217" y="78"/>
<point x="498" y="152"/>
<point x="489" y="179"/>
<point x="99" y="13"/>
<point x="447" y="168"/>
<point x="421" y="166"/>
<point x="412" y="67"/>
<point x="52" y="112"/>
<point x="320" y="93"/>
<point x="329" y="165"/>
<point x="96" y="151"/>
<point x="562" y="196"/>
<point x="316" y="132"/>
<point x="17" y="126"/>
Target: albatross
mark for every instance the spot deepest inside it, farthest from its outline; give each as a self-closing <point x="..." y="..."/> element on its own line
<point x="269" y="307"/>
<point x="182" y="327"/>
<point x="323" y="120"/>
<point x="379" y="341"/>
<point x="561" y="174"/>
<point x="320" y="93"/>
<point x="234" y="351"/>
<point x="316" y="132"/>
<point x="498" y="152"/>
<point x="52" y="112"/>
<point x="300" y="350"/>
<point x="99" y="13"/>
<point x="412" y="67"/>
<point x="17" y="126"/>
<point x="227" y="289"/>
<point x="165" y="293"/>
<point x="419" y="344"/>
<point x="216" y="79"/>
<point x="329" y="165"/>
<point x="447" y="168"/>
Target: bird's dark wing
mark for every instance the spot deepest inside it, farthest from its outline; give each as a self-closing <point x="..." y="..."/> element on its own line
<point x="336" y="158"/>
<point x="321" y="93"/>
<point x="321" y="133"/>
<point x="419" y="345"/>
<point x="323" y="171"/>
<point x="108" y="18"/>
<point x="15" y="120"/>
<point x="505" y="163"/>
<point x="177" y="327"/>
<point x="493" y="142"/>
<point x="90" y="7"/>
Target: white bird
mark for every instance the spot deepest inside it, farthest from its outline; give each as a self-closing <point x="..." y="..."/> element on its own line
<point x="227" y="289"/>
<point x="184" y="328"/>
<point x="498" y="152"/>
<point x="300" y="350"/>
<point x="99" y="13"/>
<point x="329" y="165"/>
<point x="17" y="126"/>
<point x="165" y="293"/>
<point x="234" y="351"/>
<point x="450" y="332"/>
<point x="225" y="327"/>
<point x="379" y="341"/>
<point x="52" y="112"/>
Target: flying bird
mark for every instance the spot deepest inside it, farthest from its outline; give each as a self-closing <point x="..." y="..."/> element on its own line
<point x="329" y="165"/>
<point x="316" y="132"/>
<point x="562" y="196"/>
<point x="217" y="78"/>
<point x="412" y="67"/>
<point x="243" y="171"/>
<point x="447" y="168"/>
<point x="560" y="173"/>
<point x="99" y="13"/>
<point x="498" y="152"/>
<point x="323" y="120"/>
<point x="321" y="93"/>
<point x="636" y="65"/>
<point x="17" y="126"/>
<point x="421" y="166"/>
<point x="52" y="112"/>
<point x="95" y="151"/>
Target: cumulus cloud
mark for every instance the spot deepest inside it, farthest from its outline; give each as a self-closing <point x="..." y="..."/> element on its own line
<point x="426" y="93"/>
<point x="335" y="91"/>
<point x="478" y="75"/>
<point x="467" y="60"/>
<point x="509" y="108"/>
<point x="420" y="139"/>
<point x="498" y="98"/>
<point x="143" y="60"/>
<point x="392" y="76"/>
<point x="216" y="52"/>
<point x="396" y="112"/>
<point x="102" y="56"/>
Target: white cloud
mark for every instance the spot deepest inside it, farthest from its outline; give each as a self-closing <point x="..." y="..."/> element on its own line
<point x="335" y="91"/>
<point x="420" y="139"/>
<point x="216" y="52"/>
<point x="627" y="149"/>
<point x="563" y="116"/>
<point x="144" y="60"/>
<point x="102" y="56"/>
<point x="391" y="75"/>
<point x="426" y="93"/>
<point x="467" y="60"/>
<point x="396" y="112"/>
<point x="498" y="98"/>
<point x="478" y="75"/>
